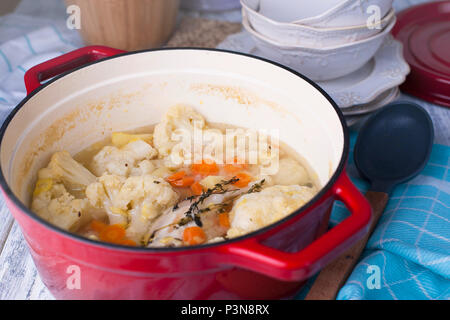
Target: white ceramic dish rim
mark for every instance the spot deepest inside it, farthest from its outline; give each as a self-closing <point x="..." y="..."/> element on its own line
<point x="365" y="87"/>
<point x="366" y="108"/>
<point x="328" y="13"/>
<point x="323" y="31"/>
<point x="355" y="119"/>
<point x="245" y="7"/>
<point x="377" y="77"/>
<point x="312" y="38"/>
<point x="250" y="29"/>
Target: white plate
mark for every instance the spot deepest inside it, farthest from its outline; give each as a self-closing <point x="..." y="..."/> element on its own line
<point x="386" y="70"/>
<point x="380" y="101"/>
<point x="355" y="121"/>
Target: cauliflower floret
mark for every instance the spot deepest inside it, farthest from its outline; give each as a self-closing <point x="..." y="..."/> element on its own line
<point x="268" y="155"/>
<point x="144" y="167"/>
<point x="121" y="139"/>
<point x="112" y="160"/>
<point x="257" y="210"/>
<point x="162" y="172"/>
<point x="145" y="197"/>
<point x="178" y="119"/>
<point x="210" y="181"/>
<point x="134" y="202"/>
<point x="290" y="172"/>
<point x="52" y="202"/>
<point x="102" y="195"/>
<point x="64" y="168"/>
<point x="253" y="147"/>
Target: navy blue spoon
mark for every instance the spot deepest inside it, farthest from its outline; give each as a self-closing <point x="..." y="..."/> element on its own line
<point x="393" y="146"/>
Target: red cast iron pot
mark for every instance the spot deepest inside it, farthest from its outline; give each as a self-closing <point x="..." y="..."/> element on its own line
<point x="98" y="90"/>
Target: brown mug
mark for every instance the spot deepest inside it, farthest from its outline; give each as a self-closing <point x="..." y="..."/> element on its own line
<point x="127" y="24"/>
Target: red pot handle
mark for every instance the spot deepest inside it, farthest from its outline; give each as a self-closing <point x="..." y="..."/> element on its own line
<point x="252" y="255"/>
<point x="66" y="62"/>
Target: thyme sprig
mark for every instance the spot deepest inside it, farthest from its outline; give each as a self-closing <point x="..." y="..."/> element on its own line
<point x="219" y="188"/>
<point x="194" y="212"/>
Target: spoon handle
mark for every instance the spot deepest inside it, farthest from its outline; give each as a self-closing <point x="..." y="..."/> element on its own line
<point x="332" y="277"/>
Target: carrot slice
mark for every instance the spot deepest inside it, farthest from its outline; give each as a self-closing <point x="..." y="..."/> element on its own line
<point x="98" y="226"/>
<point x="235" y="167"/>
<point x="193" y="236"/>
<point x="180" y="180"/>
<point x="176" y="176"/>
<point x="183" y="182"/>
<point x="197" y="188"/>
<point x="206" y="168"/>
<point x="113" y="233"/>
<point x="127" y="242"/>
<point x="224" y="220"/>
<point x="232" y="168"/>
<point x="244" y="180"/>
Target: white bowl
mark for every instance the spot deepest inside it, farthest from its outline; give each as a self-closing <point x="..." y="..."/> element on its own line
<point x="320" y="64"/>
<point x="321" y="13"/>
<point x="305" y="36"/>
<point x="293" y="10"/>
<point x="387" y="69"/>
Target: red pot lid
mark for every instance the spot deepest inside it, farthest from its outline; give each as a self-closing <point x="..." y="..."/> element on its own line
<point x="424" y="31"/>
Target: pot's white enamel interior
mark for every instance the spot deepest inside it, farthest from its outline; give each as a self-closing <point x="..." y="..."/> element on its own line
<point x="135" y="90"/>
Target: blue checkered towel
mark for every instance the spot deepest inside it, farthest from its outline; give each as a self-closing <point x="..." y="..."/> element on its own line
<point x="408" y="255"/>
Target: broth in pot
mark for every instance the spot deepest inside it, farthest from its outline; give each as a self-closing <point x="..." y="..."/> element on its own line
<point x="182" y="182"/>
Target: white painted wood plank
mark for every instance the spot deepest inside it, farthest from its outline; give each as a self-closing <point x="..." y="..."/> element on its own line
<point x="19" y="279"/>
<point x="6" y="221"/>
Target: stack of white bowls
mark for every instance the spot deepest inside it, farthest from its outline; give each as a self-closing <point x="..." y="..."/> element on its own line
<point x="323" y="39"/>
